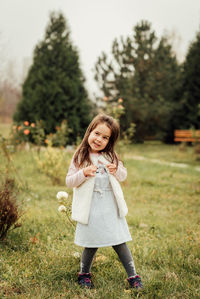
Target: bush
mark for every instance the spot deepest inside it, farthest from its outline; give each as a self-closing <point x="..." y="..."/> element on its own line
<point x="27" y="132"/>
<point x="60" y="138"/>
<point x="9" y="210"/>
<point x="35" y="133"/>
<point x="52" y="162"/>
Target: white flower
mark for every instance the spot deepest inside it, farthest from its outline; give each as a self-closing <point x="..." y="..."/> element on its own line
<point x="61" y="195"/>
<point x="62" y="208"/>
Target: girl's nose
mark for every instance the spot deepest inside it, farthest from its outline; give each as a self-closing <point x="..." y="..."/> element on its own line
<point x="99" y="138"/>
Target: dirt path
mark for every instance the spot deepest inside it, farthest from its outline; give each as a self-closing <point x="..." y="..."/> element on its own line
<point x="172" y="164"/>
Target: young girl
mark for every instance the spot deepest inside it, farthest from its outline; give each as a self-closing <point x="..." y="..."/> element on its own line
<point x="98" y="204"/>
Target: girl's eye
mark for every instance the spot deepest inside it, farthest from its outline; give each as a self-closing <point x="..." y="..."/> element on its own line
<point x="96" y="133"/>
<point x="105" y="138"/>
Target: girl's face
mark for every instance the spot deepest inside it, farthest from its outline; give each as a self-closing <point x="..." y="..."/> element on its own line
<point x="99" y="138"/>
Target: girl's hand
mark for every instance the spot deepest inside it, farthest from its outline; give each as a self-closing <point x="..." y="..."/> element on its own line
<point x="112" y="168"/>
<point x="90" y="170"/>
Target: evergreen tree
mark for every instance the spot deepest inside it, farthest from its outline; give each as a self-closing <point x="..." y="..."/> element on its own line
<point x="54" y="88"/>
<point x="144" y="72"/>
<point x="189" y="93"/>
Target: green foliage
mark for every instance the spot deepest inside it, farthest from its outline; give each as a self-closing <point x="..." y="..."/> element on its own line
<point x="114" y="108"/>
<point x="39" y="134"/>
<point x="50" y="162"/>
<point x="144" y="72"/>
<point x="128" y="135"/>
<point x="27" y="132"/>
<point x="35" y="133"/>
<point x="54" y="88"/>
<point x="61" y="137"/>
<point x="189" y="111"/>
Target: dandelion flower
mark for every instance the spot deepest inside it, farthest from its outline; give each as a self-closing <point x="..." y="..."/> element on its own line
<point x="26" y="123"/>
<point x="62" y="208"/>
<point x="33" y="125"/>
<point x="62" y="194"/>
<point x="120" y="100"/>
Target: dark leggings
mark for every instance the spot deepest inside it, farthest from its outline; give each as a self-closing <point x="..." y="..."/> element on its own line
<point x="124" y="255"/>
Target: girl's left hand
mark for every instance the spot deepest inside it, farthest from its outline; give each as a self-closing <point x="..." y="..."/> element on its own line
<point x="112" y="168"/>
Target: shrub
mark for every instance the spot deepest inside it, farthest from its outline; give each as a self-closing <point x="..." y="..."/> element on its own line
<point x="9" y="210"/>
<point x="35" y="133"/>
<point x="60" y="137"/>
<point x="114" y="108"/>
<point x="129" y="134"/>
<point x="52" y="162"/>
<point x="27" y="132"/>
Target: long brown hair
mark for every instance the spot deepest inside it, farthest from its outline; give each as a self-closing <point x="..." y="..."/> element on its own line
<point x="82" y="155"/>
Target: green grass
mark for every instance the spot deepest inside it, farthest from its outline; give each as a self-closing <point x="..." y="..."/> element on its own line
<point x="164" y="152"/>
<point x="5" y="129"/>
<point x="37" y="260"/>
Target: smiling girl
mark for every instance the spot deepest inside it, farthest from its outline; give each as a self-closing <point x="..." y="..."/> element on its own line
<point x="98" y="203"/>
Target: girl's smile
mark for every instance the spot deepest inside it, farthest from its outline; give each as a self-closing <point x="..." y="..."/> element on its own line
<point x="99" y="138"/>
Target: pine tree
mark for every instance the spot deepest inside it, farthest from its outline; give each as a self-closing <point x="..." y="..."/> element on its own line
<point x="144" y="72"/>
<point x="189" y="112"/>
<point x="54" y="88"/>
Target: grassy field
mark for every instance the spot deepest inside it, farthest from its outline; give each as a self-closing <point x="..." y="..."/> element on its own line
<point x="170" y="153"/>
<point x="5" y="129"/>
<point x="40" y="260"/>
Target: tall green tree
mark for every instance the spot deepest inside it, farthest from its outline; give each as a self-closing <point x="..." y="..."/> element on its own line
<point x="54" y="88"/>
<point x="189" y="93"/>
<point x="144" y="72"/>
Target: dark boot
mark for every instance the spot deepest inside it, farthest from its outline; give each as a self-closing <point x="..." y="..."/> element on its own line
<point x="84" y="279"/>
<point x="135" y="282"/>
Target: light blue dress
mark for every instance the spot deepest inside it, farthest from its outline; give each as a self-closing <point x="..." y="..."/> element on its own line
<point x="105" y="227"/>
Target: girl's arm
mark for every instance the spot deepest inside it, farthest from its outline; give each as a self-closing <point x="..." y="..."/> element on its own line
<point x="121" y="172"/>
<point x="75" y="176"/>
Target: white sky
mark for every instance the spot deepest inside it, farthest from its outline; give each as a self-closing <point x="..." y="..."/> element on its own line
<point x="94" y="24"/>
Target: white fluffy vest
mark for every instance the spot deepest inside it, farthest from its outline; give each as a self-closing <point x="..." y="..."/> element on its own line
<point x="82" y="195"/>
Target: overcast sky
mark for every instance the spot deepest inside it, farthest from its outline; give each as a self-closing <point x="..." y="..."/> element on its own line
<point x="94" y="24"/>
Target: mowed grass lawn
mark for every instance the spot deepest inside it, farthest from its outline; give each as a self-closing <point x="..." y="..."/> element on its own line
<point x="40" y="259"/>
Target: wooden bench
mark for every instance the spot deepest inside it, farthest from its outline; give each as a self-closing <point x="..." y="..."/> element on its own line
<point x="186" y="136"/>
